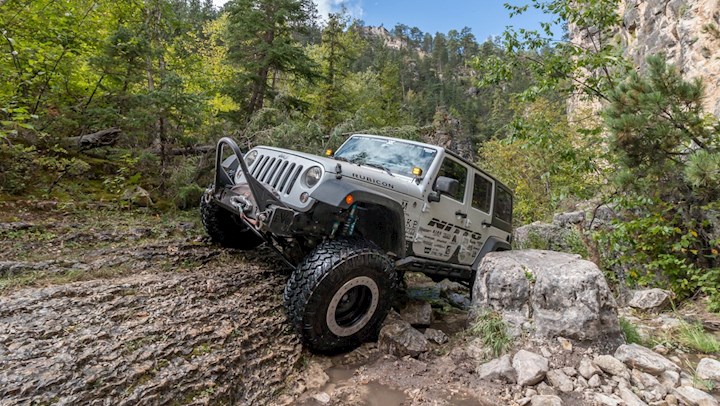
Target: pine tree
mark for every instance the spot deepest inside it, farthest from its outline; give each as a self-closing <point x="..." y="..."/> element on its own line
<point x="262" y="45"/>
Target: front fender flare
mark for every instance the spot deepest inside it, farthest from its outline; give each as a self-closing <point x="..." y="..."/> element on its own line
<point x="334" y="191"/>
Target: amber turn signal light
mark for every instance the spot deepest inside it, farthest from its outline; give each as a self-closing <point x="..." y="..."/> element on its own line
<point x="349" y="199"/>
<point x="328" y="152"/>
<point x="417" y="171"/>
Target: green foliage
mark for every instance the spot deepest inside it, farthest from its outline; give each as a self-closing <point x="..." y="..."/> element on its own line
<point x="550" y="160"/>
<point x="630" y="332"/>
<point x="669" y="182"/>
<point x="589" y="68"/>
<point x="656" y="118"/>
<point x="491" y="328"/>
<point x="696" y="339"/>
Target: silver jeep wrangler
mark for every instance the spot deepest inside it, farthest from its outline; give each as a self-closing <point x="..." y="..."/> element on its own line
<point x="351" y="223"/>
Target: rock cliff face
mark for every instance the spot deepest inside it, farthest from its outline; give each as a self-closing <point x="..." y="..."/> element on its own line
<point x="686" y="31"/>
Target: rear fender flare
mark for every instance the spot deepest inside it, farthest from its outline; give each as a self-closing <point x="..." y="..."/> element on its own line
<point x="492" y="244"/>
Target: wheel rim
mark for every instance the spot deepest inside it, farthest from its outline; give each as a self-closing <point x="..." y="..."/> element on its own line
<point x="352" y="306"/>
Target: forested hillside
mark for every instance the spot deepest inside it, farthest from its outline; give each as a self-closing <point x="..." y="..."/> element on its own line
<point x="174" y="75"/>
<point x="100" y="101"/>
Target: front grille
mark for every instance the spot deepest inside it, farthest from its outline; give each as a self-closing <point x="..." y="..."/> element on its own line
<point x="280" y="174"/>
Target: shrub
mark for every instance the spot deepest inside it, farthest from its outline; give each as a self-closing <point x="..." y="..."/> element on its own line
<point x="630" y="332"/>
<point x="491" y="328"/>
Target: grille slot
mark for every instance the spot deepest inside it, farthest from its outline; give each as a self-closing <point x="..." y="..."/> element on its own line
<point x="294" y="178"/>
<point x="267" y="168"/>
<point x="259" y="165"/>
<point x="288" y="172"/>
<point x="279" y="174"/>
<point x="272" y="171"/>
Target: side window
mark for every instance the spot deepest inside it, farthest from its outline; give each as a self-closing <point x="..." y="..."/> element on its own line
<point x="503" y="205"/>
<point x="453" y="169"/>
<point x="482" y="194"/>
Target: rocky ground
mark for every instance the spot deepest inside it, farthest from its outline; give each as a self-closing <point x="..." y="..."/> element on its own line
<point x="99" y="306"/>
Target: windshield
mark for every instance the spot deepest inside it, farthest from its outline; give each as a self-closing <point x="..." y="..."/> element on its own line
<point x="392" y="155"/>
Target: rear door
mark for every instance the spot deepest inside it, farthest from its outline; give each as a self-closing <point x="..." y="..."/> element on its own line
<point x="479" y="216"/>
<point x="442" y="228"/>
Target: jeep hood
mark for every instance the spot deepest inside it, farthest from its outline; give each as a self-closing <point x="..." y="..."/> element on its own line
<point x="356" y="173"/>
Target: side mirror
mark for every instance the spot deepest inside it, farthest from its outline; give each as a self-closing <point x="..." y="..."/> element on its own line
<point x="444" y="186"/>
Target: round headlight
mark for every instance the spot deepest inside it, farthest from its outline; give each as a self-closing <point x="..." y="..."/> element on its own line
<point x="250" y="158"/>
<point x="312" y="176"/>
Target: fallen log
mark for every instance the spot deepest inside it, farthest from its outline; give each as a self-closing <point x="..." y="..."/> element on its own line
<point x="102" y="138"/>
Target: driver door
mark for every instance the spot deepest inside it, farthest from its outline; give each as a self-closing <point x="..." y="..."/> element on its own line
<point x="443" y="224"/>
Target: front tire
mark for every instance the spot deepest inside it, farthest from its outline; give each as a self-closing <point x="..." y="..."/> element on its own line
<point x="339" y="295"/>
<point x="226" y="228"/>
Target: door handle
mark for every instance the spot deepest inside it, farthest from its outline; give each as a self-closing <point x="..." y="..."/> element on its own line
<point x="485" y="224"/>
<point x="461" y="214"/>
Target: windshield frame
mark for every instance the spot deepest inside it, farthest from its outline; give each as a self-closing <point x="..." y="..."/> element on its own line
<point x="393" y="167"/>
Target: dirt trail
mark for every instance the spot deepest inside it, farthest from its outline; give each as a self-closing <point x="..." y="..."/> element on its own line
<point x="206" y="333"/>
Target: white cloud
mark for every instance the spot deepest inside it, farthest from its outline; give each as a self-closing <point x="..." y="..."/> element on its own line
<point x="325" y="7"/>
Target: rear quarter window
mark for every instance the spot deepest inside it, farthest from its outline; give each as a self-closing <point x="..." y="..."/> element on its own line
<point x="482" y="194"/>
<point x="503" y="205"/>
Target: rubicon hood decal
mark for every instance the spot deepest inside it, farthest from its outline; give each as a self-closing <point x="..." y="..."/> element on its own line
<point x="378" y="182"/>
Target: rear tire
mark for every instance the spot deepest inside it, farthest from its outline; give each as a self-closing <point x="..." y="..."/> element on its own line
<point x="339" y="295"/>
<point x="225" y="228"/>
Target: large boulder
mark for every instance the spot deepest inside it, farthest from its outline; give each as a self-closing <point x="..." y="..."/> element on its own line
<point x="548" y="294"/>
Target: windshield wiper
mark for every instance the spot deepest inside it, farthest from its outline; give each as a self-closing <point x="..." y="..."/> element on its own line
<point x="378" y="166"/>
<point x="339" y="158"/>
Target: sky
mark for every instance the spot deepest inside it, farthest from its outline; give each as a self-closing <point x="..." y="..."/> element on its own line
<point x="485" y="17"/>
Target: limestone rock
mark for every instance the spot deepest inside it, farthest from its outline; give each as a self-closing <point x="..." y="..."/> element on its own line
<point x="644" y="359"/>
<point x="498" y="369"/>
<point x="670" y="379"/>
<point x="709" y="369"/>
<point x="545" y="400"/>
<point x="545" y="389"/>
<point x="651" y="299"/>
<point x="569" y="296"/>
<point x="436" y="336"/>
<point x="560" y="381"/>
<point x="399" y="338"/>
<point x="695" y="397"/>
<point x="630" y="398"/>
<point x="530" y="367"/>
<point x="612" y="366"/>
<point x="418" y="313"/>
<point x="314" y="376"/>
<point x="322" y="398"/>
<point x="587" y="369"/>
<point x="605" y="400"/>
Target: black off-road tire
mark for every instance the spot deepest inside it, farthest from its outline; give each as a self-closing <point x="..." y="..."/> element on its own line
<point x="339" y="295"/>
<point x="226" y="228"/>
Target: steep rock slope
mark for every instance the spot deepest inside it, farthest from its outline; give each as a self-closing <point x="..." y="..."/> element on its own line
<point x="686" y="31"/>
